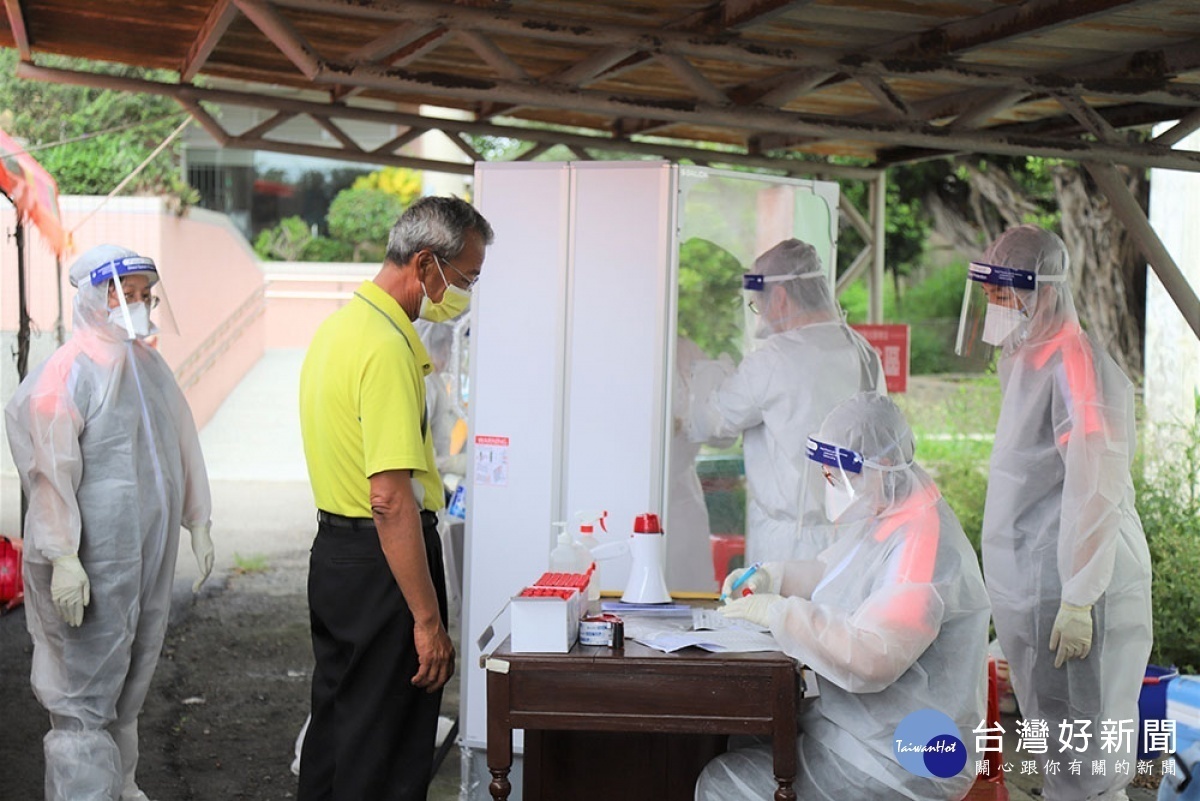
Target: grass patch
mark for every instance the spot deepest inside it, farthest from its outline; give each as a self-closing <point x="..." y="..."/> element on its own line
<point x="245" y="565"/>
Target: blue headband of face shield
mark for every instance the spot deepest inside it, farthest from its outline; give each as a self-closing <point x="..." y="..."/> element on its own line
<point x="1001" y="276"/>
<point x="128" y="265"/>
<point x="832" y="455"/>
<point x="756" y="282"/>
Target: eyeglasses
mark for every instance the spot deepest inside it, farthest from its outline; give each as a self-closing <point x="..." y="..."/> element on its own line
<point x="829" y="476"/>
<point x="146" y="297"/>
<point x="470" y="280"/>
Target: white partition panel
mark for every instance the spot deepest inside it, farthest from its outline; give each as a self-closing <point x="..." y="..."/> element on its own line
<point x="517" y="341"/>
<point x="619" y="303"/>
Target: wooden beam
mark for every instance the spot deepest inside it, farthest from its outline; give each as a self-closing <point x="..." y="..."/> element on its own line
<point x="737" y="15"/>
<point x="16" y="23"/>
<point x="215" y="24"/>
<point x="1130" y="213"/>
<point x="360" y="156"/>
<point x="268" y="125"/>
<point x="886" y="97"/>
<point x="1004" y="24"/>
<point x="756" y="119"/>
<point x="193" y="94"/>
<point x="392" y="145"/>
<point x="210" y="125"/>
<point x="1180" y="131"/>
<point x="330" y="127"/>
<point x="492" y="55"/>
<point x="283" y="35"/>
<point x="693" y="79"/>
<point x="1087" y="116"/>
<point x="380" y="48"/>
<point x="423" y="40"/>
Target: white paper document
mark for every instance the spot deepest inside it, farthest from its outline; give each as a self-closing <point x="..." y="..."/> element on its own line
<point x="725" y="635"/>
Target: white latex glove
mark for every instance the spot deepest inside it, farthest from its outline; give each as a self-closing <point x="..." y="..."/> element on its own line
<point x="755" y="608"/>
<point x="70" y="589"/>
<point x="765" y="579"/>
<point x="202" y="549"/>
<point x="1072" y="633"/>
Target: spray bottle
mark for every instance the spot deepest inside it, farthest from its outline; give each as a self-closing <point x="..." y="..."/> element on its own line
<point x="587" y="538"/>
<point x="568" y="555"/>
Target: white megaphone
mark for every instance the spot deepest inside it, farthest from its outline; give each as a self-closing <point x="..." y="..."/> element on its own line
<point x="648" y="548"/>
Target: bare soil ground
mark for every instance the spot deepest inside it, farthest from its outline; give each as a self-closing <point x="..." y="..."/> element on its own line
<point x="226" y="703"/>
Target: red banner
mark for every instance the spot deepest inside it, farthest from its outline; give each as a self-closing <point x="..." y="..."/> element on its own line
<point x="891" y="343"/>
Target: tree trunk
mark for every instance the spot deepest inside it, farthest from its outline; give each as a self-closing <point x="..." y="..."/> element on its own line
<point x="1108" y="273"/>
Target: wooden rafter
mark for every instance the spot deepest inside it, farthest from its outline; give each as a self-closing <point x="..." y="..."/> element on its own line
<point x="16" y="23"/>
<point x="220" y="16"/>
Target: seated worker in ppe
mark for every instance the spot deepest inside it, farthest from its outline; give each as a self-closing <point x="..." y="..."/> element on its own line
<point x="1064" y="554"/>
<point x="110" y="460"/>
<point x="892" y="618"/>
<point x="810" y="361"/>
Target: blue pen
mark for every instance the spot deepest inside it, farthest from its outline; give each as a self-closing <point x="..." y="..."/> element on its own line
<point x="742" y="579"/>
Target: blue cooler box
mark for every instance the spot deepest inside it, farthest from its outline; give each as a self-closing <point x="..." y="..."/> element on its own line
<point x="1183" y="707"/>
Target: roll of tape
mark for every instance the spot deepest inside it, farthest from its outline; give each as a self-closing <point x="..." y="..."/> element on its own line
<point x="607" y="630"/>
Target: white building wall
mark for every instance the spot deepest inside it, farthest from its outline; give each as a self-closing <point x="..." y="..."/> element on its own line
<point x="1172" y="362"/>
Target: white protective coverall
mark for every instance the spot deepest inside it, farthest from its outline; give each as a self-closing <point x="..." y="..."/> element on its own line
<point x="1060" y="526"/>
<point x="892" y="618"/>
<point x="110" y="460"/>
<point x="779" y="394"/>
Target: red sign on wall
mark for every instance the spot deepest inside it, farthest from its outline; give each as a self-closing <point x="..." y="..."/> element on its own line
<point x="891" y="343"/>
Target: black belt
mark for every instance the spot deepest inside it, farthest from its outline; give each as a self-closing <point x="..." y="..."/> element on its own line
<point x="428" y="518"/>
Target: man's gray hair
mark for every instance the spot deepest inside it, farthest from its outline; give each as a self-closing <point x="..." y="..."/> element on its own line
<point x="439" y="224"/>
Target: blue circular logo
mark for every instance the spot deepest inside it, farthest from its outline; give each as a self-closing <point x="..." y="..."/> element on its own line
<point x="927" y="744"/>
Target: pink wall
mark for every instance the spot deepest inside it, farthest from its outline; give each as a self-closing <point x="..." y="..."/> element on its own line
<point x="211" y="277"/>
<point x="300" y="296"/>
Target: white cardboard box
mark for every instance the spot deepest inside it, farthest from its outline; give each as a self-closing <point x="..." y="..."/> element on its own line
<point x="546" y="624"/>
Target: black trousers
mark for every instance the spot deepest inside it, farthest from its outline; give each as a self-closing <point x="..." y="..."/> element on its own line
<point x="372" y="732"/>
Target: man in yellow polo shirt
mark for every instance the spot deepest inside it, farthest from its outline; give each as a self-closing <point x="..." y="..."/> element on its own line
<point x="376" y="585"/>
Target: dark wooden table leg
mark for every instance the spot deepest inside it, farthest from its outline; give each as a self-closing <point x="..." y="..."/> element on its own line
<point x="499" y="738"/>
<point x="784" y="736"/>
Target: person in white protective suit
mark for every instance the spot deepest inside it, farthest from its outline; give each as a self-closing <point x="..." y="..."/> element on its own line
<point x="810" y="361"/>
<point x="892" y="618"/>
<point x="1064" y="554"/>
<point x="110" y="460"/>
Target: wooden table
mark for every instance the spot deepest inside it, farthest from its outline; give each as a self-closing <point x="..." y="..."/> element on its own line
<point x="639" y="691"/>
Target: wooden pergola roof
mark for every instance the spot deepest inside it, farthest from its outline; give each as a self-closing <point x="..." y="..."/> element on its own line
<point x="778" y="84"/>
<point x="885" y="80"/>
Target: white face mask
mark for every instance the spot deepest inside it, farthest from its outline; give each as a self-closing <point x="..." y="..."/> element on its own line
<point x="837" y="500"/>
<point x="139" y="315"/>
<point x="1000" y="323"/>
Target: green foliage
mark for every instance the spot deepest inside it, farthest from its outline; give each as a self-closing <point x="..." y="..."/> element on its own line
<point x="906" y="224"/>
<point x="323" y="248"/>
<point x="285" y="242"/>
<point x="44" y="114"/>
<point x="710" y="311"/>
<point x="931" y="308"/>
<point x="405" y="184"/>
<point x="953" y="422"/>
<point x="1168" y="502"/>
<point x="363" y="218"/>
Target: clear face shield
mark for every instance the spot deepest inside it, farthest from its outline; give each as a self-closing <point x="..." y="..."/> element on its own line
<point x="137" y="300"/>
<point x="998" y="305"/>
<point x="841" y="469"/>
<point x="771" y="315"/>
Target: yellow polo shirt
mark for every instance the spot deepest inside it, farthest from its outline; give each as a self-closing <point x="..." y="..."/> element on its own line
<point x="362" y="401"/>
